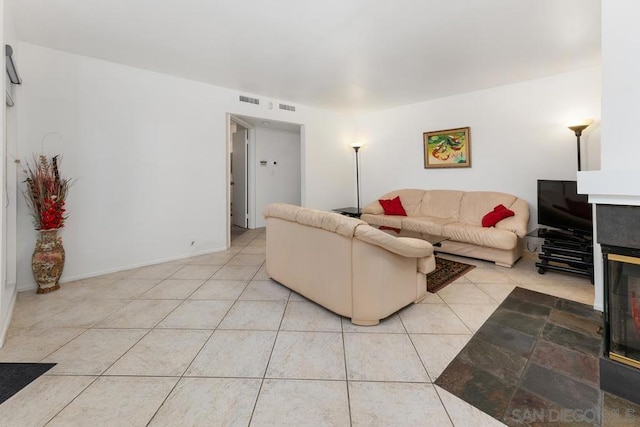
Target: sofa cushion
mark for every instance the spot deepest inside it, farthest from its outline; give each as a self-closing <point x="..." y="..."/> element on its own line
<point x="281" y="210"/>
<point x="392" y="206"/>
<point x="404" y="246"/>
<point x="340" y="224"/>
<point x="329" y="221"/>
<point x="491" y="237"/>
<point x="387" y="220"/>
<point x="311" y="217"/>
<point x="475" y="204"/>
<point x="496" y="215"/>
<point x="441" y="204"/>
<point x="410" y="199"/>
<point x="421" y="224"/>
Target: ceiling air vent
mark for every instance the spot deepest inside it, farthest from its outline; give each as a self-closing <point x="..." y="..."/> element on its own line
<point x="249" y="100"/>
<point x="287" y="107"/>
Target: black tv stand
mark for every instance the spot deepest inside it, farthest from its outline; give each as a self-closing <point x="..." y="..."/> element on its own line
<point x="565" y="251"/>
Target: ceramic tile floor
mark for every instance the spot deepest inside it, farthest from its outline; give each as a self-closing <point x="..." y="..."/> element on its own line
<point x="211" y="340"/>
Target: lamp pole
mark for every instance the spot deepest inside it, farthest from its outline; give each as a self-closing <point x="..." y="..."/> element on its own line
<point x="357" y="148"/>
<point x="578" y="131"/>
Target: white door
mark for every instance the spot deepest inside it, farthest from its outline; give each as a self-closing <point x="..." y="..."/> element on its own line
<point x="239" y="178"/>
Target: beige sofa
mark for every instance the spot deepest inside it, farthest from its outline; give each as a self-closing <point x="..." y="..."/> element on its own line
<point x="344" y="264"/>
<point x="458" y="216"/>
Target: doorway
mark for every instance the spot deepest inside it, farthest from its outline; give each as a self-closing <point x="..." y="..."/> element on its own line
<point x="271" y="154"/>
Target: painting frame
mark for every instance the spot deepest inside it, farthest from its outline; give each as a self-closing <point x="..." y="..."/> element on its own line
<point x="449" y="148"/>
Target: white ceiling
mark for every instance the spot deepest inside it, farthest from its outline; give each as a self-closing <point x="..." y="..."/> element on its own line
<point x="338" y="54"/>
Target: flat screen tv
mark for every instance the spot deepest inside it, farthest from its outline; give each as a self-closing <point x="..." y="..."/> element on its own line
<point x="560" y="206"/>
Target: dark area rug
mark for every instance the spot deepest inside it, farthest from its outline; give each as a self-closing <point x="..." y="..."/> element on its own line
<point x="16" y="376"/>
<point x="535" y="362"/>
<point x="446" y="271"/>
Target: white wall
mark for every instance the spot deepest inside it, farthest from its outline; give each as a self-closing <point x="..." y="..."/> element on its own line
<point x="618" y="181"/>
<point x="518" y="135"/>
<point x="279" y="182"/>
<point x="621" y="84"/>
<point x="149" y="153"/>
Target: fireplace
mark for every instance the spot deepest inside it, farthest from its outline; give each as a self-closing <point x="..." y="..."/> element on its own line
<point x="619" y="237"/>
<point x="622" y="304"/>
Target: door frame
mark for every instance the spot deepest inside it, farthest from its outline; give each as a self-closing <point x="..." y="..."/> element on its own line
<point x="250" y="172"/>
<point x="251" y="167"/>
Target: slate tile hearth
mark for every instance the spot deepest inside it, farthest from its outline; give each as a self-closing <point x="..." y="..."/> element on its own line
<point x="535" y="362"/>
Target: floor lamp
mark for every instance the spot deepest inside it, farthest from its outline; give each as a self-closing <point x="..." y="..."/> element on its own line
<point x="356" y="147"/>
<point x="578" y="131"/>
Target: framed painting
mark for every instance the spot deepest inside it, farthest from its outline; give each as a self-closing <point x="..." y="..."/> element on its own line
<point x="450" y="148"/>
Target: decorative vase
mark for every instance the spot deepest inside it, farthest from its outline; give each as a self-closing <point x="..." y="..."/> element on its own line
<point x="47" y="262"/>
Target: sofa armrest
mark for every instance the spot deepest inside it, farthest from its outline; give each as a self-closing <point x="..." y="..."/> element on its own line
<point x="373" y="208"/>
<point x="405" y="246"/>
<point x="427" y="264"/>
<point x="518" y="222"/>
<point x="282" y="211"/>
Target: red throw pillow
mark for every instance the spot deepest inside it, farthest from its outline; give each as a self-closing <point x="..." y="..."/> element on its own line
<point x="392" y="206"/>
<point x="498" y="214"/>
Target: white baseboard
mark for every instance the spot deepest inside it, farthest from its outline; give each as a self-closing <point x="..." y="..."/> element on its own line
<point x="27" y="287"/>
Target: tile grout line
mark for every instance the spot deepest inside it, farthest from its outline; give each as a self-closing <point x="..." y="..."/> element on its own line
<point x="346" y="370"/>
<point x="447" y="411"/>
<point x="539" y="338"/>
<point x="179" y="378"/>
<point x="266" y="368"/>
<point x="72" y="400"/>
<point x="432" y="381"/>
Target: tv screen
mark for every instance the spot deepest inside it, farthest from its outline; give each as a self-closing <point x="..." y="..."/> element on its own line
<point x="560" y="206"/>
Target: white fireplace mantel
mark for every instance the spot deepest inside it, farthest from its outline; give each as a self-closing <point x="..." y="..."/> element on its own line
<point x="607" y="187"/>
<point x="611" y="187"/>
